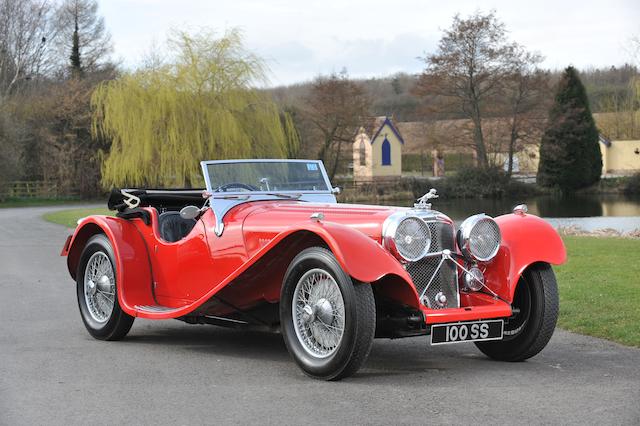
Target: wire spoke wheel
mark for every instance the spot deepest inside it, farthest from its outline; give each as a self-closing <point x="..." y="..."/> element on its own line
<point x="99" y="287"/>
<point x="319" y="313"/>
<point x="97" y="292"/>
<point x="327" y="320"/>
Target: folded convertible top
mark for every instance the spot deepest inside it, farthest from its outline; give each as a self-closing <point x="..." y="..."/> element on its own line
<point x="159" y="198"/>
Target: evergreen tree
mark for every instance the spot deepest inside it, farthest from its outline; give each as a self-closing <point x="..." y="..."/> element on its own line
<point x="570" y="156"/>
<point x="82" y="31"/>
<point x="76" y="63"/>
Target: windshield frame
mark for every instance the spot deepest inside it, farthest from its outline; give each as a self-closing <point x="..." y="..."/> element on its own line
<point x="205" y="172"/>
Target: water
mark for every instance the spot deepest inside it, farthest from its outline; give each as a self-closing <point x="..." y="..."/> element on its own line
<point x="589" y="212"/>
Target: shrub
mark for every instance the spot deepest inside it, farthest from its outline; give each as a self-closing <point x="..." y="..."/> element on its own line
<point x="474" y="182"/>
<point x="632" y="186"/>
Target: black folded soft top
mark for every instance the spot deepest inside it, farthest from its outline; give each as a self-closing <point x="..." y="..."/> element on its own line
<point x="159" y="198"/>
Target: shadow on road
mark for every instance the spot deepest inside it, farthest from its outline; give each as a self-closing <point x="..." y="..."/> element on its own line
<point x="401" y="357"/>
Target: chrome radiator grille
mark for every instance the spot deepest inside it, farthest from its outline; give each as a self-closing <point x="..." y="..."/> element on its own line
<point x="446" y="280"/>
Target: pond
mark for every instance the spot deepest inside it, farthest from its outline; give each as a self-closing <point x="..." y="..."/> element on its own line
<point x="603" y="211"/>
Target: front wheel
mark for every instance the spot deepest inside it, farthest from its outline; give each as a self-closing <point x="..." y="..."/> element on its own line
<point x="328" y="322"/>
<point x="97" y="292"/>
<point x="529" y="330"/>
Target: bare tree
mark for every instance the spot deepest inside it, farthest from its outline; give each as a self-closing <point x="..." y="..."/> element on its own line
<point x="25" y="33"/>
<point x="83" y="41"/>
<point x="471" y="62"/>
<point x="525" y="91"/>
<point x="336" y="106"/>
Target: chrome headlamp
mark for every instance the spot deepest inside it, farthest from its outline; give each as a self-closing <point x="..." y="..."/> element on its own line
<point x="479" y="238"/>
<point x="407" y="237"/>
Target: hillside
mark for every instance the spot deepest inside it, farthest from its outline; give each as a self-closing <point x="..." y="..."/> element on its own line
<point x="393" y="95"/>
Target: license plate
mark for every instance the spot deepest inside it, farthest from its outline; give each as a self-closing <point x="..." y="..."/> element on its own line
<point x="474" y="331"/>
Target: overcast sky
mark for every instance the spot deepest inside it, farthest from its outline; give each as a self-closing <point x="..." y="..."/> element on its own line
<point x="300" y="39"/>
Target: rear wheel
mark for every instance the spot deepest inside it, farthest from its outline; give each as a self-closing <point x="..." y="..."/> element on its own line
<point x="531" y="328"/>
<point x="97" y="292"/>
<point x="327" y="321"/>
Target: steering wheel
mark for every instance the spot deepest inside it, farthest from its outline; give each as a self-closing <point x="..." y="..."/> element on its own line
<point x="226" y="186"/>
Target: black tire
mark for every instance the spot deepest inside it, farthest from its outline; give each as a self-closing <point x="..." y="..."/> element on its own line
<point x="118" y="323"/>
<point x="359" y="318"/>
<point x="529" y="331"/>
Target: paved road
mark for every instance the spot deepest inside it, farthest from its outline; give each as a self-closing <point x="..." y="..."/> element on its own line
<point x="53" y="372"/>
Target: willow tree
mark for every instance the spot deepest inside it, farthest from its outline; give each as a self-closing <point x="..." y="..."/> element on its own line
<point x="203" y="104"/>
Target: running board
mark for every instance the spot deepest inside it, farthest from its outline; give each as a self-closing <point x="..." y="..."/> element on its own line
<point x="154" y="309"/>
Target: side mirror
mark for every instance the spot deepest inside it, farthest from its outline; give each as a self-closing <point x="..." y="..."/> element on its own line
<point x="336" y="190"/>
<point x="190" y="212"/>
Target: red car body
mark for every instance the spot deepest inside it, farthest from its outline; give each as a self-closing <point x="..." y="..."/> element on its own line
<point x="152" y="272"/>
<point x="209" y="274"/>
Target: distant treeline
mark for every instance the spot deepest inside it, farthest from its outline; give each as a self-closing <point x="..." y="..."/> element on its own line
<point x="395" y="95"/>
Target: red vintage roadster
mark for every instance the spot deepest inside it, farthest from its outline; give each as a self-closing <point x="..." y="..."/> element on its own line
<point x="267" y="246"/>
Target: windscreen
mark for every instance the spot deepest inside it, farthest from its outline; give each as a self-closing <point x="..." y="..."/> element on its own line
<point x="267" y="176"/>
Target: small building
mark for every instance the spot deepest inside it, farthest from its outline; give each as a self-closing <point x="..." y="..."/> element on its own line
<point x="620" y="156"/>
<point x="378" y="156"/>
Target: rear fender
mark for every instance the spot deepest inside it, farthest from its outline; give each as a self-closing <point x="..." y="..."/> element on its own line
<point x="133" y="272"/>
<point x="526" y="239"/>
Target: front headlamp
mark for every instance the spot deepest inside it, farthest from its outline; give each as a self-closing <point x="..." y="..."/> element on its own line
<point x="479" y="238"/>
<point x="408" y="238"/>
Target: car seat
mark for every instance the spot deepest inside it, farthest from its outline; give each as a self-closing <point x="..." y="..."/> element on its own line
<point x="173" y="227"/>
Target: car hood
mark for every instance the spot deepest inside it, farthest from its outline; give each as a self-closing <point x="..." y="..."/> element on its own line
<point x="273" y="217"/>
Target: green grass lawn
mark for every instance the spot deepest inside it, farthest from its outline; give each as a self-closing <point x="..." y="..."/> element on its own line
<point x="600" y="288"/>
<point x="69" y="218"/>
<point x="599" y="285"/>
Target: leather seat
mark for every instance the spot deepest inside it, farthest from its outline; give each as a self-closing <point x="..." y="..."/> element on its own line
<point x="173" y="227"/>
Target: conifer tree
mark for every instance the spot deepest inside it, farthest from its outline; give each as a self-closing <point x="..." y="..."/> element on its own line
<point x="570" y="156"/>
<point x="76" y="62"/>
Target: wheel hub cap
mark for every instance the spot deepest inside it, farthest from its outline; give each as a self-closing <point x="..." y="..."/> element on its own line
<point x="104" y="283"/>
<point x="324" y="311"/>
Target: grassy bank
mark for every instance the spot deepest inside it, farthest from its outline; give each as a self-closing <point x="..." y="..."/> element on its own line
<point x="600" y="289"/>
<point x="69" y="218"/>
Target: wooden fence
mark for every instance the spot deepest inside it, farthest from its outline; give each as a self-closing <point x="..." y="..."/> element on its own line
<point x="31" y="189"/>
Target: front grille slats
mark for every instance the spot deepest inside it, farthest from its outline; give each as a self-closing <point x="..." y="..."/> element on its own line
<point x="446" y="280"/>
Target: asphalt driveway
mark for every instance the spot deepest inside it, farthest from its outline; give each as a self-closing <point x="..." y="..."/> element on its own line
<point x="53" y="372"/>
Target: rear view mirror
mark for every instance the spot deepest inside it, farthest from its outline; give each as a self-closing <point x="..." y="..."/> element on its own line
<point x="190" y="212"/>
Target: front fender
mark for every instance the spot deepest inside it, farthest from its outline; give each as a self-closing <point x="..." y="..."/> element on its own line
<point x="363" y="259"/>
<point x="133" y="271"/>
<point x="360" y="256"/>
<point x="526" y="239"/>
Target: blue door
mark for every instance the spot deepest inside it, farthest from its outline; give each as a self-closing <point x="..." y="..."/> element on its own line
<point x="386" y="153"/>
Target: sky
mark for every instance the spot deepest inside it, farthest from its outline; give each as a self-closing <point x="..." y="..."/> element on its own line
<point x="302" y="39"/>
